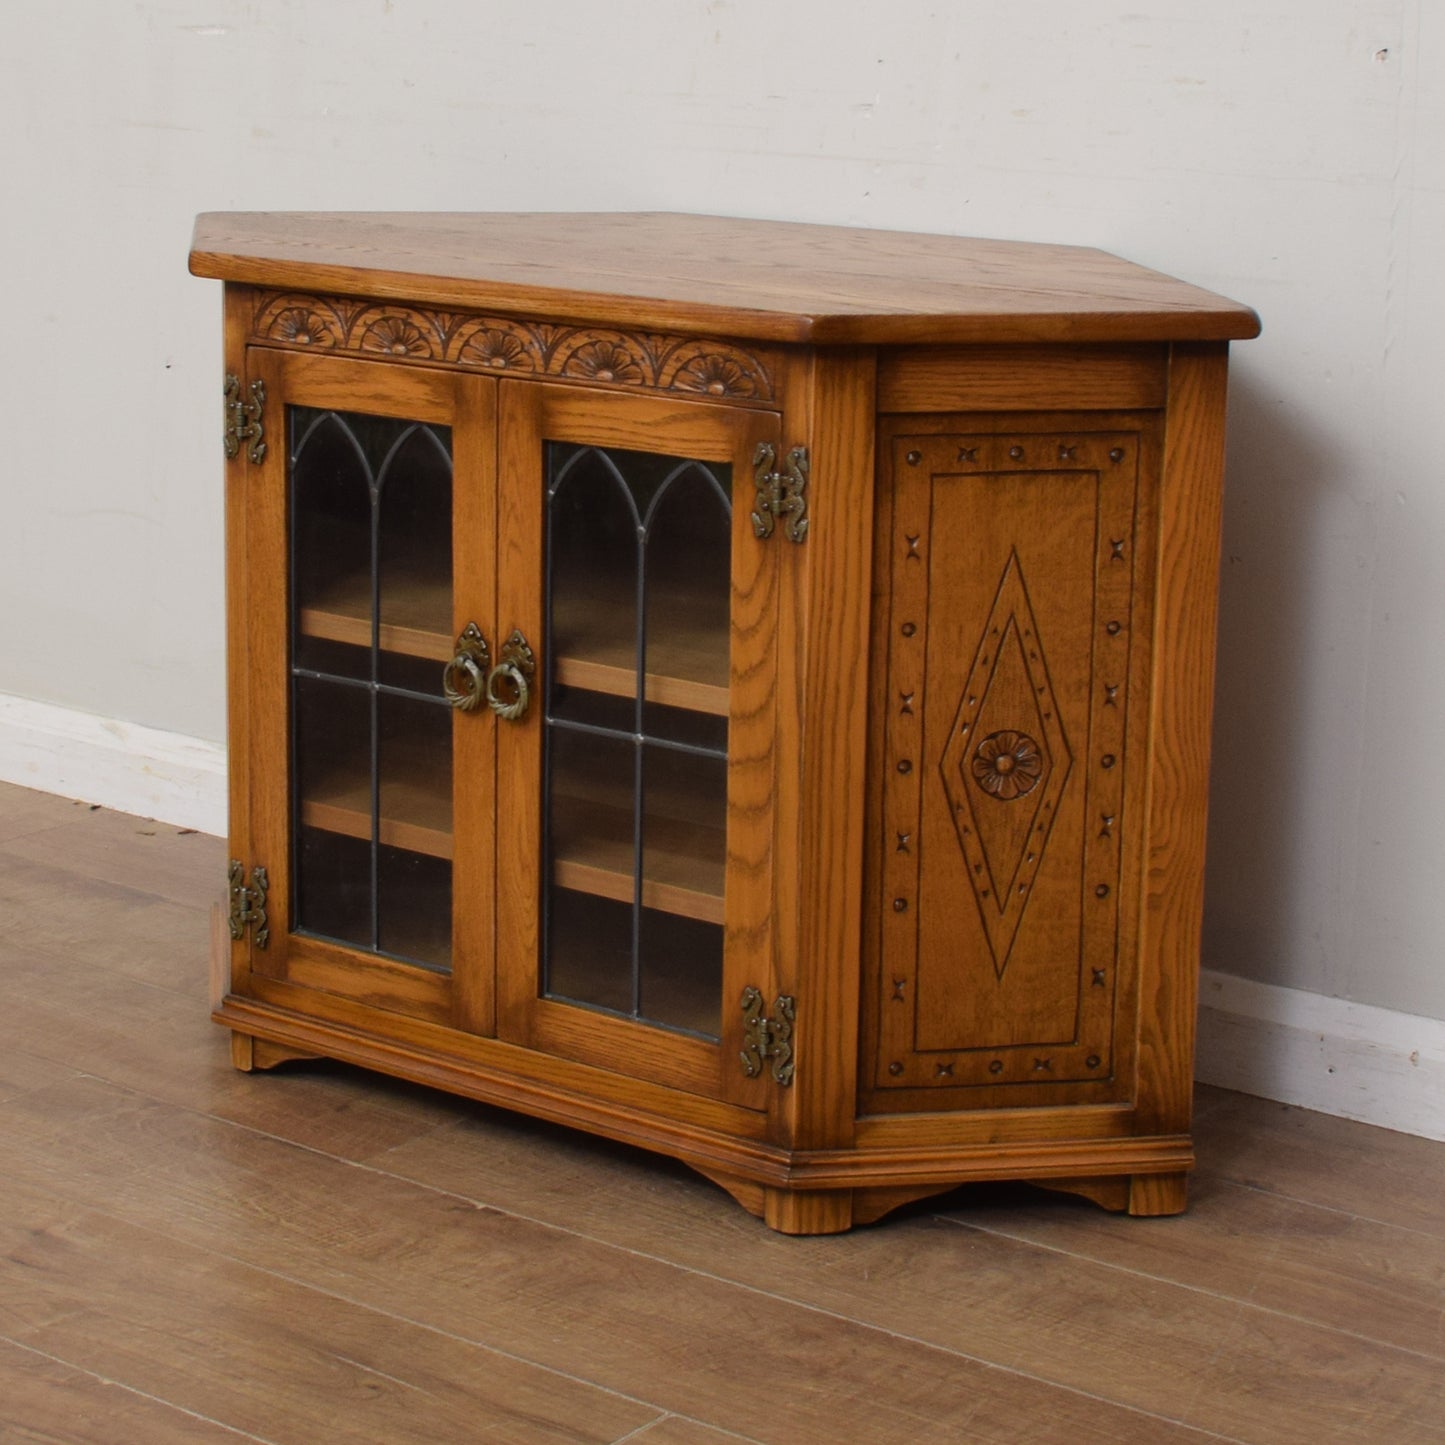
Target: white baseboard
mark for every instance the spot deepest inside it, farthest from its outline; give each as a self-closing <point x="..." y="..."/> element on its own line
<point x="134" y="769"/>
<point x="1348" y="1059"/>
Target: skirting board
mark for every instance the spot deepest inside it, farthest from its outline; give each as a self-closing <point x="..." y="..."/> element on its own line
<point x="121" y="765"/>
<point x="1348" y="1059"/>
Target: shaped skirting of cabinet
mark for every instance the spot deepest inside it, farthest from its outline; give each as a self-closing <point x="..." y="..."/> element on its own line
<point x="738" y="688"/>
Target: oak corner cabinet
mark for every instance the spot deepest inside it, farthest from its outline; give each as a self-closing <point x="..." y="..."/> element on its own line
<point x="736" y="687"/>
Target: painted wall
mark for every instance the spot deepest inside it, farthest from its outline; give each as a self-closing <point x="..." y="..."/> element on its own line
<point x="1290" y="153"/>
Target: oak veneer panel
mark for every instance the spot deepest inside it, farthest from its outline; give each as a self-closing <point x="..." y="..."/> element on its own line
<point x="417" y="1258"/>
<point x="763" y="280"/>
<point x="269" y="1355"/>
<point x="43" y="1399"/>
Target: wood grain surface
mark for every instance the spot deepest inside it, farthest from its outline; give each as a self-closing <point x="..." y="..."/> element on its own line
<point x="762" y="280"/>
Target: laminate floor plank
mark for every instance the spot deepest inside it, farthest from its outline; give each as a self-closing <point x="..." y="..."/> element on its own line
<point x="22" y="1073"/>
<point x="121" y="929"/>
<point x="24" y="810"/>
<point x="684" y="1341"/>
<point x="1172" y="1351"/>
<point x="263" y="1353"/>
<point x="1363" y="1278"/>
<point x="674" y="1431"/>
<point x="42" y="1400"/>
<point x="178" y="864"/>
<point x="1339" y="1164"/>
<point x="154" y="1040"/>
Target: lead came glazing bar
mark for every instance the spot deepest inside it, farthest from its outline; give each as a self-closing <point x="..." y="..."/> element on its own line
<point x="637" y="574"/>
<point x="370" y="511"/>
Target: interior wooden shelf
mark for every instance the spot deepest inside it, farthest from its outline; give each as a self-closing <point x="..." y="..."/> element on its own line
<point x="684" y="859"/>
<point x="687" y="657"/>
<point x="687" y="654"/>
<point x="416" y="800"/>
<point x="416" y="614"/>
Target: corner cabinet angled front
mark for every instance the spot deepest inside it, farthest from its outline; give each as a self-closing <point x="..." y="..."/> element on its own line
<point x="754" y="709"/>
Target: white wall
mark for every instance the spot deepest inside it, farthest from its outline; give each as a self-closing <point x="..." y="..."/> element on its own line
<point x="1290" y="153"/>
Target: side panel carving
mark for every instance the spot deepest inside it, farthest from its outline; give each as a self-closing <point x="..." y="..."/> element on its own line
<point x="1017" y="659"/>
<point x="603" y="357"/>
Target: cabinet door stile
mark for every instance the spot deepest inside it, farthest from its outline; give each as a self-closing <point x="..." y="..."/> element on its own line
<point x="474" y="732"/>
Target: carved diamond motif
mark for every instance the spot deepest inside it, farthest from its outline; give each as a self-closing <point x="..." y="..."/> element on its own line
<point x="1006" y="763"/>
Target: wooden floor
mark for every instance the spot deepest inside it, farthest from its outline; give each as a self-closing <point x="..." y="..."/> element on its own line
<point x="319" y="1255"/>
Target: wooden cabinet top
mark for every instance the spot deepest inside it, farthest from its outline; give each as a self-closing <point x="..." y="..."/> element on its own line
<point x="713" y="275"/>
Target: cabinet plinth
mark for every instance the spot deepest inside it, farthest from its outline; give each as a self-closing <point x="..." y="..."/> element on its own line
<point x="756" y="710"/>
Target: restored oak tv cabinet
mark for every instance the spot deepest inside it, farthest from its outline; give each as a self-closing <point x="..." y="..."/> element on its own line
<point x="739" y="688"/>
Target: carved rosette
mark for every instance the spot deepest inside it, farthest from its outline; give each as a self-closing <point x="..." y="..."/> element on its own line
<point x="1007" y="765"/>
<point x="598" y="356"/>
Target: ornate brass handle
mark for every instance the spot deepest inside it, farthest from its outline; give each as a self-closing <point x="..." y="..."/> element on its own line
<point x="515" y="666"/>
<point x="465" y="680"/>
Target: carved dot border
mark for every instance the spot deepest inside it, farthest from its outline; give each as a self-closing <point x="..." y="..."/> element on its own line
<point x="504" y="346"/>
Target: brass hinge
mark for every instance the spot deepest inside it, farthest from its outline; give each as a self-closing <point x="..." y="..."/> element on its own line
<point x="243" y="419"/>
<point x="768" y="1039"/>
<point x="780" y="494"/>
<point x="248" y="904"/>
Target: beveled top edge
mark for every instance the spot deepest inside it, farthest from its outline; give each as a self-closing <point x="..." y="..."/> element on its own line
<point x="758" y="280"/>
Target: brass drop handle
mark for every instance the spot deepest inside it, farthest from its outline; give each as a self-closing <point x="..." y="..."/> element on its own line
<point x="465" y="680"/>
<point x="514" y="669"/>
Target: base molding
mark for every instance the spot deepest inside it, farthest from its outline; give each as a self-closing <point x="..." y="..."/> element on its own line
<point x="133" y="769"/>
<point x="1348" y="1059"/>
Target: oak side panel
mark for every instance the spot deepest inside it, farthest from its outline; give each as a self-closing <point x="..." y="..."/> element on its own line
<point x="1190" y="501"/>
<point x="822" y="740"/>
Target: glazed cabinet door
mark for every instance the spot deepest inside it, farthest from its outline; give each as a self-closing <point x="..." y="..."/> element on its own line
<point x="634" y="767"/>
<point x="368" y="526"/>
<point x="1013" y="719"/>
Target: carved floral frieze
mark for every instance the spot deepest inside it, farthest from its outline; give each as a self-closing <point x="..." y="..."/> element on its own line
<point x="503" y="345"/>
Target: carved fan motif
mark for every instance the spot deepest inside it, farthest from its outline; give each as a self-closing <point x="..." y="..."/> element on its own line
<point x="1005" y="764"/>
<point x="596" y="355"/>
